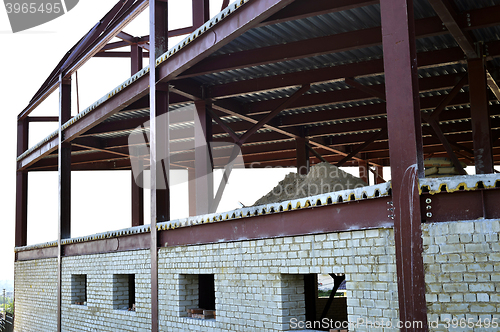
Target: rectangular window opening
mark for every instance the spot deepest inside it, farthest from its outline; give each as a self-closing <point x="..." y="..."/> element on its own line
<point x="319" y="302"/>
<point x="197" y="296"/>
<point x="79" y="289"/>
<point x="124" y="292"/>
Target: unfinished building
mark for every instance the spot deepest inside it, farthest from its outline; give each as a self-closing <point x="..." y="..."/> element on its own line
<point x="361" y="83"/>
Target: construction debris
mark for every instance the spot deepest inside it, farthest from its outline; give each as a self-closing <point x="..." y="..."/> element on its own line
<point x="201" y="313"/>
<point x="322" y="178"/>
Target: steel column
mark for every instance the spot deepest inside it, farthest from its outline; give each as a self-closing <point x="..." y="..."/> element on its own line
<point x="302" y="156"/>
<point x="159" y="142"/>
<point x="203" y="159"/>
<point x="201" y="13"/>
<point x="192" y="192"/>
<point x="22" y="187"/>
<point x="481" y="132"/>
<point x="363" y="171"/>
<point x="379" y="174"/>
<point x="137" y="190"/>
<point x="64" y="178"/>
<point x="405" y="149"/>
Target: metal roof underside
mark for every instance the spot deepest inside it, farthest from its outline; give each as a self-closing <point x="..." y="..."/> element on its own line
<point x="349" y="116"/>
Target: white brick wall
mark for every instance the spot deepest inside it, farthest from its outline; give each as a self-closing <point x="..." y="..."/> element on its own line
<point x="35" y="290"/>
<point x="258" y="284"/>
<point x="462" y="265"/>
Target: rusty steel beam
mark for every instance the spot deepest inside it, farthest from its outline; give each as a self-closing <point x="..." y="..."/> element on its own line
<point x="446" y="13"/>
<point x="449" y="149"/>
<point x="296" y="95"/>
<point x="363" y="146"/>
<point x="461" y="205"/>
<point x="64" y="186"/>
<point x="321" y="75"/>
<point x="316" y="153"/>
<point x="159" y="143"/>
<point x="118" y="54"/>
<point x="223" y="125"/>
<point x="42" y="119"/>
<point x="201" y="13"/>
<point x="137" y="191"/>
<point x="347" y="41"/>
<point x="52" y="82"/>
<point x="203" y="158"/>
<point x="302" y="155"/>
<point x="303" y="9"/>
<point x="480" y="118"/>
<point x="406" y="152"/>
<point x="21" y="187"/>
<point x="332" y="218"/>
<point x="247" y="17"/>
<point x="377" y="93"/>
<point x="492" y="84"/>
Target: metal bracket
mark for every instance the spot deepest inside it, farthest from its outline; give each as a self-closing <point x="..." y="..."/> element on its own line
<point x="390" y="210"/>
<point x="428" y="207"/>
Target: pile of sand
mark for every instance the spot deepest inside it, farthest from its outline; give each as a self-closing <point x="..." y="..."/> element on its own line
<point x="322" y="178"/>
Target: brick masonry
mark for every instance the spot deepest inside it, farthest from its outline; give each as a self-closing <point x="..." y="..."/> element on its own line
<point x="258" y="284"/>
<point x="462" y="273"/>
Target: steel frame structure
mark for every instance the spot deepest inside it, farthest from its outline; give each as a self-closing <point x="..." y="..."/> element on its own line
<point x="368" y="114"/>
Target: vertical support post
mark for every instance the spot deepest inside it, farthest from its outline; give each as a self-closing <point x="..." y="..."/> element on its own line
<point x="137" y="191"/>
<point x="203" y="160"/>
<point x="302" y="155"/>
<point x="22" y="187"/>
<point x="363" y="171"/>
<point x="159" y="142"/>
<point x="379" y="174"/>
<point x="192" y="191"/>
<point x="480" y="117"/>
<point x="64" y="170"/>
<point x="405" y="150"/>
<point x="201" y="12"/>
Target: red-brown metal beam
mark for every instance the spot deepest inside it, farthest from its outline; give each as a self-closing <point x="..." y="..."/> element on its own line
<point x="377" y="93"/>
<point x="159" y="143"/>
<point x="51" y="84"/>
<point x="118" y="54"/>
<point x="302" y="154"/>
<point x="137" y="191"/>
<point x="405" y="148"/>
<point x="444" y="9"/>
<point x="481" y="128"/>
<point x="203" y="158"/>
<point x="247" y="17"/>
<point x="297" y="94"/>
<point x="201" y="13"/>
<point x="347" y="41"/>
<point x="21" y="187"/>
<point x="363" y="171"/>
<point x="64" y="186"/>
<point x="363" y="146"/>
<point x="364" y="68"/>
<point x="43" y="119"/>
<point x="303" y="9"/>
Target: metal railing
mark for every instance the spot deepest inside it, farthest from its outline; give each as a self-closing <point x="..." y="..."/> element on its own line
<point x="7" y="324"/>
